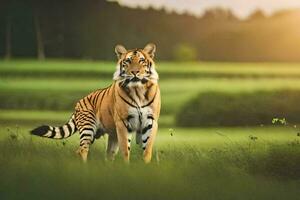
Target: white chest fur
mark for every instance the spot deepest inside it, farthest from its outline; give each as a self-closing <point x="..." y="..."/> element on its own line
<point x="138" y="118"/>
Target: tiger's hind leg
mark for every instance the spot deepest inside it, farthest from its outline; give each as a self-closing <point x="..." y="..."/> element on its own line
<point x="86" y="123"/>
<point x="87" y="126"/>
<point x="86" y="139"/>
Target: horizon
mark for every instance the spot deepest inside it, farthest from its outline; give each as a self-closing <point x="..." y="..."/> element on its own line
<point x="198" y="7"/>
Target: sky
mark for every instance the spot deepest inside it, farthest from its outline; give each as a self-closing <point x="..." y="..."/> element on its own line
<point x="241" y="8"/>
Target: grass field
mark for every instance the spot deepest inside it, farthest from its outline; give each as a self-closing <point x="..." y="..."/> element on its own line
<point x="21" y="67"/>
<point x="70" y="80"/>
<point x="215" y="163"/>
<point x="199" y="163"/>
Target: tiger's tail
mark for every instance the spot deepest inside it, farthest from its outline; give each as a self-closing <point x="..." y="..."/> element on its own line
<point x="59" y="132"/>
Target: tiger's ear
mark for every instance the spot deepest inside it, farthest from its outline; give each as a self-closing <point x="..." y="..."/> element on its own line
<point x="120" y="50"/>
<point x="150" y="49"/>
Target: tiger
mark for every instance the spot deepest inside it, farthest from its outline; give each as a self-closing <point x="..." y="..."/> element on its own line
<point x="131" y="104"/>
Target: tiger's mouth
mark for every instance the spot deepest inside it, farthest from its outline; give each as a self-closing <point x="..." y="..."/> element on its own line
<point x="135" y="79"/>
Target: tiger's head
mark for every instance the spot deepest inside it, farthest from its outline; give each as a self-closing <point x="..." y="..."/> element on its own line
<point x="135" y="66"/>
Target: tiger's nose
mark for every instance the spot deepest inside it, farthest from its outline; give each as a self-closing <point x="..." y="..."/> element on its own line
<point x="135" y="72"/>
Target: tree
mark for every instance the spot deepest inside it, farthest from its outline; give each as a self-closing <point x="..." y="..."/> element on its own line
<point x="185" y="52"/>
<point x="37" y="10"/>
<point x="39" y="38"/>
<point x="5" y="15"/>
<point x="8" y="38"/>
<point x="219" y="13"/>
<point x="257" y="15"/>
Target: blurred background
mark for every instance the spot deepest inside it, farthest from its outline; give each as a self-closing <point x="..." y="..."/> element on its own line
<point x="224" y="30"/>
<point x="230" y="83"/>
<point x="221" y="63"/>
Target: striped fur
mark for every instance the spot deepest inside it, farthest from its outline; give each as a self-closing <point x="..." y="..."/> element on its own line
<point x="61" y="132"/>
<point x="131" y="104"/>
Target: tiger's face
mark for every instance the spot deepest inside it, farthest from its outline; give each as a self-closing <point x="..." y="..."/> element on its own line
<point x="135" y="66"/>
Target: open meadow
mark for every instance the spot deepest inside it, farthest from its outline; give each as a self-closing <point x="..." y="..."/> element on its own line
<point x="240" y="162"/>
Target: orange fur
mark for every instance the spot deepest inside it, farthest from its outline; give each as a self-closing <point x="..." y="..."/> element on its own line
<point x="130" y="104"/>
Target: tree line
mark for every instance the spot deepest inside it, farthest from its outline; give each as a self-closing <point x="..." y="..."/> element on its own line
<point x="90" y="29"/>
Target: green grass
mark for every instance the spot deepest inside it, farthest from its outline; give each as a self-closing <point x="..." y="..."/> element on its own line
<point x="167" y="86"/>
<point x="193" y="69"/>
<point x="47" y="90"/>
<point x="180" y="89"/>
<point x="210" y="67"/>
<point x="38" y="117"/>
<point x="215" y="163"/>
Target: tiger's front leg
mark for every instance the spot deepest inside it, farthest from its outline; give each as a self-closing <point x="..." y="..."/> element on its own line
<point x="148" y="137"/>
<point x="112" y="146"/>
<point x="124" y="139"/>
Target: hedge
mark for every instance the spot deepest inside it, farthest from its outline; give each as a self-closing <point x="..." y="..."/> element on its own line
<point x="42" y="100"/>
<point x="240" y="109"/>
